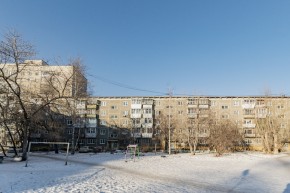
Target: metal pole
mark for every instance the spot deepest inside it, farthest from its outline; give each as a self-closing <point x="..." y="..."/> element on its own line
<point x="29" y="146"/>
<point x="67" y="154"/>
<point x="169" y="123"/>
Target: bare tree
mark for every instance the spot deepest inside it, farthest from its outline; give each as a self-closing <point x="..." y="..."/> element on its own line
<point x="162" y="128"/>
<point x="29" y="100"/>
<point x="271" y="125"/>
<point x="224" y="136"/>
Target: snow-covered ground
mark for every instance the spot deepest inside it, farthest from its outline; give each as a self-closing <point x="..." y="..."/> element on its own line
<point x="105" y="172"/>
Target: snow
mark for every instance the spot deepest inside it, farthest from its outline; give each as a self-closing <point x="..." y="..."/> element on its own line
<point x="105" y="172"/>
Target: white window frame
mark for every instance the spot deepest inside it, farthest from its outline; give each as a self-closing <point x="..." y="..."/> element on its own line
<point x="102" y="141"/>
<point x="103" y="132"/>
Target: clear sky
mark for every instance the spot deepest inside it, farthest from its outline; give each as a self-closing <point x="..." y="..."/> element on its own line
<point x="199" y="47"/>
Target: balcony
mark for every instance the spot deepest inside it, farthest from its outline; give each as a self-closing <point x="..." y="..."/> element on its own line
<point x="192" y="115"/>
<point x="203" y="115"/>
<point x="147" y="106"/>
<point x="147" y="102"/>
<point x="147" y="135"/>
<point x="91" y="106"/>
<point x="250" y="135"/>
<point x="136" y="116"/>
<point x="147" y="116"/>
<point x="90" y="135"/>
<point x="136" y="106"/>
<point x="248" y="106"/>
<point x="190" y="105"/>
<point x="203" y="106"/>
<point x="91" y="115"/>
<point x="203" y="135"/>
<point x="252" y="115"/>
<point x="147" y="125"/>
<point x="261" y="115"/>
<point x="250" y="125"/>
<point x="136" y="135"/>
<point x="81" y="106"/>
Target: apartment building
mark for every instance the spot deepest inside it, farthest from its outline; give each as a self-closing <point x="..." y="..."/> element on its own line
<point x="40" y="82"/>
<point x="124" y="120"/>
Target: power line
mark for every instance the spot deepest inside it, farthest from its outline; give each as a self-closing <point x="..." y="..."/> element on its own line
<point x="122" y="85"/>
<point x="125" y="85"/>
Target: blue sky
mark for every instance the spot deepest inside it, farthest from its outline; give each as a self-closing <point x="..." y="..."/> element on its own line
<point x="199" y="47"/>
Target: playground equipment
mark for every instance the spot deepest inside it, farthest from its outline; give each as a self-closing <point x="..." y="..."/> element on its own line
<point x="132" y="151"/>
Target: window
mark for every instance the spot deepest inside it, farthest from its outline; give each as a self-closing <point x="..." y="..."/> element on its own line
<point x="102" y="131"/>
<point x="69" y="131"/>
<point x="213" y="103"/>
<point x="125" y="113"/>
<point x="69" y="122"/>
<point x="103" y="113"/>
<point x="191" y="102"/>
<point x="125" y="122"/>
<point x="136" y="111"/>
<point x="280" y="107"/>
<point x="113" y="107"/>
<point x="81" y="102"/>
<point x="102" y="141"/>
<point x="262" y="111"/>
<point x="191" y="111"/>
<point x="180" y="112"/>
<point x="247" y="121"/>
<point x="248" y="141"/>
<point x="114" y="135"/>
<point x="157" y="112"/>
<point x="45" y="73"/>
<point x="225" y="107"/>
<point x="260" y="102"/>
<point x="236" y="103"/>
<point x="236" y="112"/>
<point x="179" y="103"/>
<point x="136" y="101"/>
<point x="91" y="141"/>
<point x="125" y="103"/>
<point x="249" y="101"/>
<point x="91" y="130"/>
<point x="103" y="103"/>
<point x="157" y="103"/>
<point x="113" y="116"/>
<point x="147" y="111"/>
<point x="103" y="122"/>
<point x="249" y="131"/>
<point x="249" y="112"/>
<point x="147" y="120"/>
<point x="225" y="116"/>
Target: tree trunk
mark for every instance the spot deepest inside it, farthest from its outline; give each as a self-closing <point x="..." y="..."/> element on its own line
<point x="12" y="139"/>
<point x="2" y="148"/>
<point x="25" y="142"/>
<point x="275" y="135"/>
<point x="191" y="148"/>
<point x="267" y="143"/>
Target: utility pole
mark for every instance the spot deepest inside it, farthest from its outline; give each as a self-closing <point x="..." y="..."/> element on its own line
<point x="169" y="121"/>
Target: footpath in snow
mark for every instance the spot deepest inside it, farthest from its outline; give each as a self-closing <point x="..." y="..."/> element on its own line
<point x="105" y="172"/>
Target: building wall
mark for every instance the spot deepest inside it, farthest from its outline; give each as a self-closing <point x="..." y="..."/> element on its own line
<point x="116" y="112"/>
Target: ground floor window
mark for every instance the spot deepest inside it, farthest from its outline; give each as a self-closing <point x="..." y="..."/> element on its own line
<point x="91" y="141"/>
<point x="102" y="141"/>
